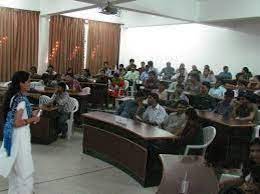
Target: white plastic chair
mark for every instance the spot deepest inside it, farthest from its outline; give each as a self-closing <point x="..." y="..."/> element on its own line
<point x="86" y="90"/>
<point x="209" y="133"/>
<point x="44" y="99"/>
<point x="74" y="107"/>
<point x="256" y="132"/>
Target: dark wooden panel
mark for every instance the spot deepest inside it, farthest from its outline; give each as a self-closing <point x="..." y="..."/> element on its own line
<point x="117" y="149"/>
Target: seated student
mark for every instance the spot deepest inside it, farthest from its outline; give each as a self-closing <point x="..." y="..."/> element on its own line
<point x="176" y="121"/>
<point x="190" y="135"/>
<point x="193" y="84"/>
<point x="83" y="76"/>
<point x="61" y="98"/>
<point x="225" y="75"/>
<point x="45" y="81"/>
<point x="218" y="90"/>
<point x="182" y="69"/>
<point x="142" y="68"/>
<point x="180" y="72"/>
<point x="152" y="68"/>
<point x="132" y="75"/>
<point x="101" y="77"/>
<point x="167" y="72"/>
<point x="155" y="113"/>
<point x="107" y="69"/>
<point x="50" y="71"/>
<point x="132" y="108"/>
<point x="245" y="74"/>
<point x="254" y="84"/>
<point x="180" y="80"/>
<point x="70" y="72"/>
<point x="73" y="83"/>
<point x="179" y="94"/>
<point x="162" y="92"/>
<point x="145" y="74"/>
<point x="204" y="101"/>
<point x="57" y="79"/>
<point x="152" y="82"/>
<point x="117" y="86"/>
<point x="208" y="76"/>
<point x="225" y="107"/>
<point x="244" y="110"/>
<point x="33" y="73"/>
<point x="121" y="70"/>
<point x="249" y="182"/>
<point x="194" y="70"/>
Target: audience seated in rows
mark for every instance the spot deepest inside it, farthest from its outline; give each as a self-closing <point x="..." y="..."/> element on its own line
<point x="132" y="75"/>
<point x="33" y="73"/>
<point x="176" y="121"/>
<point x="155" y="113"/>
<point x="152" y="68"/>
<point x="193" y="83"/>
<point x="254" y="83"/>
<point x="179" y="80"/>
<point x="73" y="84"/>
<point x="178" y="94"/>
<point x="145" y="74"/>
<point x="121" y="70"/>
<point x="116" y="88"/>
<point x="208" y="76"/>
<point x="225" y="107"/>
<point x="131" y="62"/>
<point x="245" y="74"/>
<point x="218" y="90"/>
<point x="190" y="135"/>
<point x="249" y="182"/>
<point x="180" y="72"/>
<point x="162" y="92"/>
<point x="142" y="67"/>
<point x="50" y="71"/>
<point x="244" y="110"/>
<point x="132" y="108"/>
<point x="167" y="72"/>
<point x="70" y="72"/>
<point x="225" y="75"/>
<point x="83" y="76"/>
<point x="152" y="82"/>
<point x="204" y="101"/>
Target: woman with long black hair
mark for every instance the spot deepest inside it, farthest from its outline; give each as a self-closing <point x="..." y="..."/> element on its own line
<point x="15" y="154"/>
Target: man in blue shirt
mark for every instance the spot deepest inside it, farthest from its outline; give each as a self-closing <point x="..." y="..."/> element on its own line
<point x="131" y="108"/>
<point x="225" y="74"/>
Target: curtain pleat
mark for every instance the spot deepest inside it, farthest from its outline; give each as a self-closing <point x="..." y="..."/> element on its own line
<point x="103" y="45"/>
<point x="66" y="43"/>
<point x="19" y="39"/>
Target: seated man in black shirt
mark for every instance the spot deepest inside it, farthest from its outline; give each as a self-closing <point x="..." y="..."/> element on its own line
<point x="249" y="182"/>
<point x="204" y="101"/>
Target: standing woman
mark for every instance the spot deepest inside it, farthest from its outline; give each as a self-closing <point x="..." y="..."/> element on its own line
<point x="15" y="154"/>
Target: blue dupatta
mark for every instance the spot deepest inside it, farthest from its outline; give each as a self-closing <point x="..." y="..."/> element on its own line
<point x="10" y="119"/>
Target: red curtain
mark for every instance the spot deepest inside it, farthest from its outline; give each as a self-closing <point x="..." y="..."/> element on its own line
<point x="19" y="41"/>
<point x="66" y="43"/>
<point x="103" y="45"/>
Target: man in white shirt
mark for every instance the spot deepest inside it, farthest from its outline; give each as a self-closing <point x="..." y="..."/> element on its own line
<point x="132" y="75"/>
<point x="218" y="91"/>
<point x="155" y="114"/>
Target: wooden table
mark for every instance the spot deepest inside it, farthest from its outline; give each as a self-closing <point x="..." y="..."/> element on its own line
<point x="43" y="132"/>
<point x="231" y="144"/>
<point x="124" y="143"/>
<point x="201" y="178"/>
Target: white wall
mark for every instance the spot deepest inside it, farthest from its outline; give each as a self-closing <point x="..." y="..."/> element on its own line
<point x="21" y="4"/>
<point x="193" y="44"/>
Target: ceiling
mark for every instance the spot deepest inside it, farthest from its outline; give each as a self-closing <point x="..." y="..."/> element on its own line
<point x="135" y="13"/>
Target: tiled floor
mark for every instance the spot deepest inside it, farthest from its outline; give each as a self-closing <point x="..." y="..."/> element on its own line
<point x="61" y="168"/>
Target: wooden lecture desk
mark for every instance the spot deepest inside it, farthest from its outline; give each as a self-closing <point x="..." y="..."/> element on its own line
<point x="124" y="143"/>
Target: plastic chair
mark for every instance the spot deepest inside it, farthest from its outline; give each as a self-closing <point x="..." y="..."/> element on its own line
<point x="209" y="133"/>
<point x="256" y="132"/>
<point x="86" y="90"/>
<point x="74" y="107"/>
<point x="44" y="99"/>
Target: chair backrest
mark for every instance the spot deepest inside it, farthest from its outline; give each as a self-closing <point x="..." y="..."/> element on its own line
<point x="73" y="105"/>
<point x="44" y="99"/>
<point x="256" y="132"/>
<point x="209" y="133"/>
